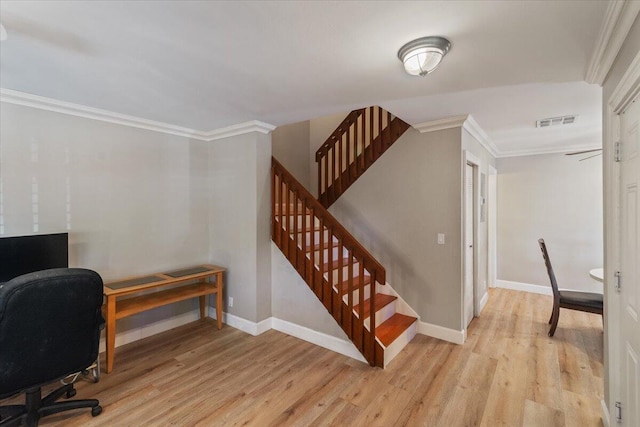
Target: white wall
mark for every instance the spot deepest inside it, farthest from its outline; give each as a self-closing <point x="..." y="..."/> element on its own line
<point x="558" y="198"/>
<point x="133" y="201"/>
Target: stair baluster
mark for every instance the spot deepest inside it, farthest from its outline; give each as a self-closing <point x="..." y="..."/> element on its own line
<point x="362" y="137"/>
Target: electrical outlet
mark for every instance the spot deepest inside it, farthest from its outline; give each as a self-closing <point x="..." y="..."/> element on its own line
<point x="230" y="301"/>
<point x="441" y="238"/>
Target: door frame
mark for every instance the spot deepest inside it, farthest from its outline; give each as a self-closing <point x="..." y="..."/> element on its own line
<point x="492" y="226"/>
<point x="469" y="158"/>
<point x="628" y="88"/>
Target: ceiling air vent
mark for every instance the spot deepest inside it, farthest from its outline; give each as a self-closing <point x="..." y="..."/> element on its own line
<point x="555" y="121"/>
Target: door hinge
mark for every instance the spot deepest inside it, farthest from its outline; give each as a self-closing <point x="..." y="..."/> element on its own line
<point x="618" y="412"/>
<point x="617" y="275"/>
<point x="617" y="156"/>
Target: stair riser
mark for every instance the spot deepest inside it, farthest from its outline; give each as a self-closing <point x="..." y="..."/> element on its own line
<point x="291" y="220"/>
<point x="307" y="236"/>
<point x="325" y="253"/>
<point x="345" y="273"/>
<point x="382" y="315"/>
<point x="399" y="343"/>
<point x="356" y="295"/>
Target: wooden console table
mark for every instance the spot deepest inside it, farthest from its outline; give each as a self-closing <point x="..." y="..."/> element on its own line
<point x="158" y="290"/>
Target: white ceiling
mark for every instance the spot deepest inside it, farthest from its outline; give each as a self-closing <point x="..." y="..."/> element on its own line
<point x="207" y="65"/>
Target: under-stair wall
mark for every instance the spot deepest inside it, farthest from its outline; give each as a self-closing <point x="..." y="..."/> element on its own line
<point x="397" y="209"/>
<point x="347" y="280"/>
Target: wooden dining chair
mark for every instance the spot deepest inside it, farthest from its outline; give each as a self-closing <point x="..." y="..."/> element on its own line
<point x="590" y="302"/>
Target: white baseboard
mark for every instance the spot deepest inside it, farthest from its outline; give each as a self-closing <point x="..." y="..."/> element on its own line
<point x="442" y="333"/>
<point x="342" y="346"/>
<point x="483" y="301"/>
<point x="145" y="331"/>
<point x="605" y="414"/>
<point x="525" y="287"/>
<point x="252" y="328"/>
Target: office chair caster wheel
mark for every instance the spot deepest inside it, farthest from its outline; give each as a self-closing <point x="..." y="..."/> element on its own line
<point x="71" y="393"/>
<point x="96" y="410"/>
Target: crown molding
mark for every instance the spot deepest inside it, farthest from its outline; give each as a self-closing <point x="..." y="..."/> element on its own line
<point x="536" y="152"/>
<point x="441" y="124"/>
<point x="42" y="103"/>
<point x="471" y="126"/>
<point x="628" y="87"/>
<point x="239" y="129"/>
<point x="466" y="122"/>
<point x="616" y="25"/>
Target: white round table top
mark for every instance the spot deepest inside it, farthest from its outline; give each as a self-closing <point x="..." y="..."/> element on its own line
<point x="597" y="274"/>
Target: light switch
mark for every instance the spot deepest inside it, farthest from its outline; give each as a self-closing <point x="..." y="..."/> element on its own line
<point x="441" y="238"/>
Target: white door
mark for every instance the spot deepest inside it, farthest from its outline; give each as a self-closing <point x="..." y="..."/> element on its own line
<point x="468" y="244"/>
<point x="629" y="262"/>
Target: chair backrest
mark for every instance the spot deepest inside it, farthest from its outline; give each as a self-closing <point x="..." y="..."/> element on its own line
<point x="50" y="324"/>
<point x="547" y="262"/>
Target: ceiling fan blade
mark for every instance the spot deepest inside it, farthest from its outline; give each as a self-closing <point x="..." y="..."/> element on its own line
<point x="595" y="155"/>
<point x="583" y="152"/>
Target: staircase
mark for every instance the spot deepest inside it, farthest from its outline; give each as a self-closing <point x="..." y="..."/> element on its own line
<point x="362" y="137"/>
<point x="348" y="280"/>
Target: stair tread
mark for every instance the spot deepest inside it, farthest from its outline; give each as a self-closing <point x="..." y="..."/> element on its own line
<point x="381" y="301"/>
<point x="306" y="230"/>
<point x="316" y="247"/>
<point x="336" y="263"/>
<point x="356" y="283"/>
<point x="393" y="327"/>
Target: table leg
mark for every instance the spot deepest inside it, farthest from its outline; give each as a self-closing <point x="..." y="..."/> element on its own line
<point x="219" y="285"/>
<point x="203" y="305"/>
<point x="111" y="331"/>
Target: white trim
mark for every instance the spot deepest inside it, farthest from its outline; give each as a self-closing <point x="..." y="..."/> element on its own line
<point x="605" y="414"/>
<point x="239" y="129"/>
<point x="492" y="226"/>
<point x="616" y="25"/>
<point x="469" y="158"/>
<point x="628" y="88"/>
<point x="252" y="328"/>
<point x="441" y="124"/>
<point x="538" y="151"/>
<point x="471" y="126"/>
<point x="402" y="306"/>
<point x="48" y="104"/>
<point x="135" y="334"/>
<point x="441" y="333"/>
<point x="342" y="346"/>
<point x="524" y="287"/>
<point x="621" y="96"/>
<point x="483" y="301"/>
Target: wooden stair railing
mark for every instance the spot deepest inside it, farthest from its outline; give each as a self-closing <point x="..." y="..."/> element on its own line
<point x="362" y="137"/>
<point x="308" y="235"/>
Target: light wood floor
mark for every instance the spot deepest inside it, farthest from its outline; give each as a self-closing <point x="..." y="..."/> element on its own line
<point x="509" y="373"/>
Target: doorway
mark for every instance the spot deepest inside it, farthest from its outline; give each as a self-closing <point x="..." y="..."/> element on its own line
<point x="469" y="238"/>
<point x="622" y="239"/>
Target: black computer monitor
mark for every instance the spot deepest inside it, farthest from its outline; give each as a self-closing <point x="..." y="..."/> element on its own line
<point x="25" y="254"/>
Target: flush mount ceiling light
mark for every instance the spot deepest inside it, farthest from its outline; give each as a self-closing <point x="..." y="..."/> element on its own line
<point x="421" y="56"/>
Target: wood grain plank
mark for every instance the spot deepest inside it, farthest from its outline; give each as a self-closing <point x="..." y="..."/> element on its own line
<point x="508" y="373"/>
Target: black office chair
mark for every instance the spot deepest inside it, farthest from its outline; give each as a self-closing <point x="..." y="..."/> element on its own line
<point x="50" y="324"/>
<point x="590" y="302"/>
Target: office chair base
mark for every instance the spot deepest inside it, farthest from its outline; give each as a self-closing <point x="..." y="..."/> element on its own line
<point x="36" y="407"/>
